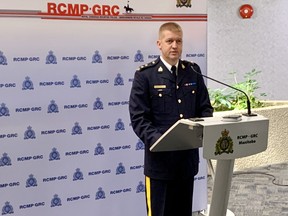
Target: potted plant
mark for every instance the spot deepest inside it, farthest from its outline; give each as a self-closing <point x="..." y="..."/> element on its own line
<point x="230" y="100"/>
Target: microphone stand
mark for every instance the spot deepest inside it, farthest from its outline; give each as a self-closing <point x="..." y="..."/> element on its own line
<point x="249" y="113"/>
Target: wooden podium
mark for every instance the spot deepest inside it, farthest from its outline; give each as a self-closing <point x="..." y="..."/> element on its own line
<point x="222" y="139"/>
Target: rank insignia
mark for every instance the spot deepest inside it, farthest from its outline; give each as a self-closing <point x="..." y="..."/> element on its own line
<point x="150" y="64"/>
<point x="224" y="144"/>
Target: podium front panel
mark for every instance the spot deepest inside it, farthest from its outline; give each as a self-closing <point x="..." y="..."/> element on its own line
<point x="231" y="140"/>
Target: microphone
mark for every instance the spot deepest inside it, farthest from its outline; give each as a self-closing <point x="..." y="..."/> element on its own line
<point x="249" y="113"/>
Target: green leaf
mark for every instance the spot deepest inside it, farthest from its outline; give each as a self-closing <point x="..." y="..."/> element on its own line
<point x="227" y="99"/>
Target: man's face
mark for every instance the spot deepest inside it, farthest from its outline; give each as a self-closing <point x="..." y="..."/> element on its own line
<point x="170" y="44"/>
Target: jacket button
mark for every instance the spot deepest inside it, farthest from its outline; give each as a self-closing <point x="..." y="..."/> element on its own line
<point x="179" y="101"/>
<point x="193" y="92"/>
<point x="181" y="115"/>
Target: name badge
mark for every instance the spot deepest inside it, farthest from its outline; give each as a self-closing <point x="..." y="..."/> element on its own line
<point x="159" y="86"/>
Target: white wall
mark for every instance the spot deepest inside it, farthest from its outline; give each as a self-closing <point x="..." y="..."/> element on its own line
<point x="240" y="45"/>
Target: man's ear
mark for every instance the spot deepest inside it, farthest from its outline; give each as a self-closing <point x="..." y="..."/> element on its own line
<point x="159" y="44"/>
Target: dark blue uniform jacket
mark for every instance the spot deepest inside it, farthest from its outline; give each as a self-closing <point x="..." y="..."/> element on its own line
<point x="156" y="102"/>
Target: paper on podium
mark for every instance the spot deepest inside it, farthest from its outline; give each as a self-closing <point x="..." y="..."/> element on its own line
<point x="183" y="135"/>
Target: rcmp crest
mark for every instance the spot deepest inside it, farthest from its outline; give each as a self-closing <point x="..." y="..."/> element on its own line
<point x="118" y="80"/>
<point x="140" y="145"/>
<point x="51" y="58"/>
<point x="76" y="129"/>
<point x="97" y="58"/>
<point x="100" y="194"/>
<point x="27" y="84"/>
<point x="120" y="169"/>
<point x="4" y="111"/>
<point x="75" y="82"/>
<point x="53" y="107"/>
<point x="140" y="188"/>
<point x="54" y="155"/>
<point x="29" y="133"/>
<point x="138" y="57"/>
<point x="119" y="125"/>
<point x="31" y="181"/>
<point x="3" y="60"/>
<point x="7" y="209"/>
<point x="224" y="144"/>
<point x="183" y="3"/>
<point x="99" y="150"/>
<point x="78" y="175"/>
<point x="56" y="201"/>
<point x="98" y="105"/>
<point x="5" y="160"/>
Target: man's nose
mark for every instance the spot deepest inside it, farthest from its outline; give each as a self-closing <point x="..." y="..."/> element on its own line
<point x="174" y="44"/>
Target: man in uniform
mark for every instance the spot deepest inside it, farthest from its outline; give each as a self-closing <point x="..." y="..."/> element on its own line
<point x="163" y="92"/>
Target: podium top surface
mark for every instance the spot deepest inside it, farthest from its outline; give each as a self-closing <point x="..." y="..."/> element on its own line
<point x="219" y="120"/>
<point x="183" y="135"/>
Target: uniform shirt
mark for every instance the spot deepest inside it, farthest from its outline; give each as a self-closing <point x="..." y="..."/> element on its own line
<point x="157" y="101"/>
<point x="168" y="65"/>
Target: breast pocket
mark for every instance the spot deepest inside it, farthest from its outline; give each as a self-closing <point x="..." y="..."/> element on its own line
<point x="161" y="100"/>
<point x="189" y="97"/>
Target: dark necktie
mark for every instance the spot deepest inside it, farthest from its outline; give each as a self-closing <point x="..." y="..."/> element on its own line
<point x="173" y="69"/>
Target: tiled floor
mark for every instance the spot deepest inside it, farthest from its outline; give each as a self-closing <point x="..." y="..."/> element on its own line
<point x="259" y="191"/>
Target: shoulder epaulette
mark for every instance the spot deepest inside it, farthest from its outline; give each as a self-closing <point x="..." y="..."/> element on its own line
<point x="187" y="62"/>
<point x="148" y="65"/>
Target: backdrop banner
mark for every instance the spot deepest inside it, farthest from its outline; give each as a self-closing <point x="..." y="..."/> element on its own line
<point x="66" y="67"/>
